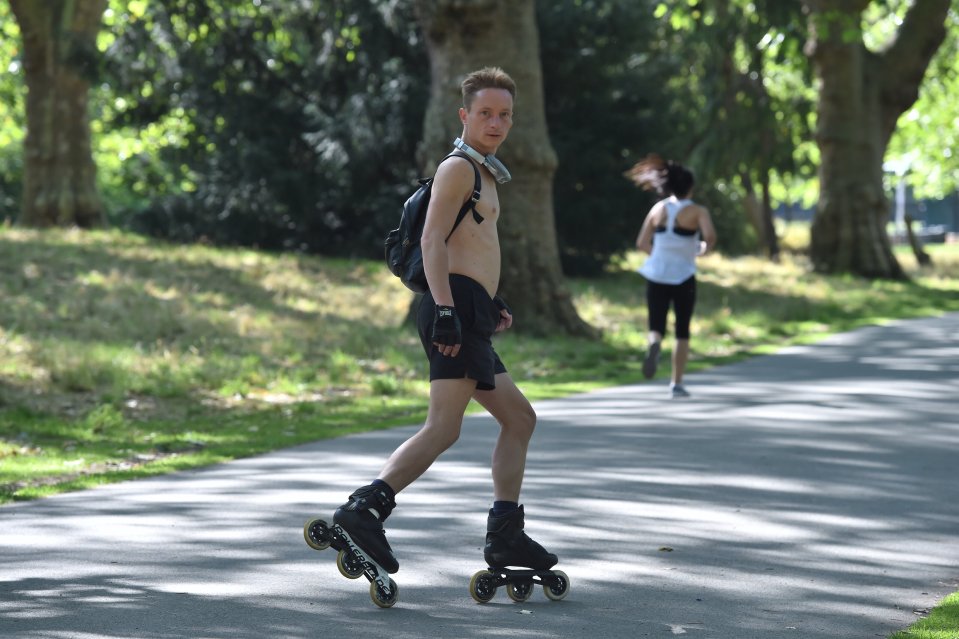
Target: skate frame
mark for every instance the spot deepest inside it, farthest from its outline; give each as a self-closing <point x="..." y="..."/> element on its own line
<point x="504" y="576"/>
<point x="351" y="560"/>
<point x="371" y="570"/>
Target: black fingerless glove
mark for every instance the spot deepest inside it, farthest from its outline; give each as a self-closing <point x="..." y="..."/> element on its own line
<point x="446" y="326"/>
<point x="501" y="304"/>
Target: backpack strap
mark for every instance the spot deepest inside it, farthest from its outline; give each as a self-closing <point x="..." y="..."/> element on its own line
<point x="470" y="204"/>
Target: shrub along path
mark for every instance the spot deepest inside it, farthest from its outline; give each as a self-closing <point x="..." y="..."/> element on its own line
<point x="810" y="493"/>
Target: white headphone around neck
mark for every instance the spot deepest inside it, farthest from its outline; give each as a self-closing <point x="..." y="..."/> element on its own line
<point x="496" y="168"/>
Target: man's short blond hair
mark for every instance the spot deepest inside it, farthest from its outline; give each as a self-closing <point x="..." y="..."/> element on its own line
<point x="486" y="78"/>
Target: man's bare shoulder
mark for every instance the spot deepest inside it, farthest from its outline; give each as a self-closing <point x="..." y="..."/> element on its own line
<point x="454" y="174"/>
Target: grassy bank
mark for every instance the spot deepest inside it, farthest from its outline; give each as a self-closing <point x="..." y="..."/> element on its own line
<point x="121" y="358"/>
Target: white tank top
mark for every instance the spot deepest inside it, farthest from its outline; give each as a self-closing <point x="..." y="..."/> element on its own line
<point x="673" y="258"/>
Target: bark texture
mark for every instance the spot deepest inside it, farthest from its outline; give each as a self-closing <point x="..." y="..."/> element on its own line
<point x="59" y="58"/>
<point x="464" y="35"/>
<point x="861" y="96"/>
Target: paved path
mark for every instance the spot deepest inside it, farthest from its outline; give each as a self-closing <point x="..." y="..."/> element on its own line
<point x="808" y="494"/>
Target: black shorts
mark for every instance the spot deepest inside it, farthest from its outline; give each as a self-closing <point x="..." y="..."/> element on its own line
<point x="683" y="299"/>
<point x="479" y="316"/>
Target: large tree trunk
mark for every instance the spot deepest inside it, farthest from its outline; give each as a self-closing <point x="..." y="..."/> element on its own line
<point x="862" y="95"/>
<point x="462" y="37"/>
<point x="59" y="54"/>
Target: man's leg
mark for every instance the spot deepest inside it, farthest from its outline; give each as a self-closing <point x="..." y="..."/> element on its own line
<point x="507" y="543"/>
<point x="362" y="517"/>
<point x="507" y="404"/>
<point x="444" y="419"/>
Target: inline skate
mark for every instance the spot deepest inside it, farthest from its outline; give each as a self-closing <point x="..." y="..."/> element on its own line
<point x="508" y="545"/>
<point x="357" y="534"/>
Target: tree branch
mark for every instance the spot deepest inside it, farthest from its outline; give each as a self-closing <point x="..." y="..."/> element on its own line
<point x="903" y="64"/>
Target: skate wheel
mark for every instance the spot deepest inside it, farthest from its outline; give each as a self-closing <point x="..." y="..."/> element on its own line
<point x="382" y="599"/>
<point x="349" y="566"/>
<point x="483" y="586"/>
<point x="519" y="591"/>
<point x="557" y="587"/>
<point x="317" y="534"/>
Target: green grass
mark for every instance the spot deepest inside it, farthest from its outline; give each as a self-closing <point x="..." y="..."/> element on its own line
<point x="942" y="622"/>
<point x="123" y="358"/>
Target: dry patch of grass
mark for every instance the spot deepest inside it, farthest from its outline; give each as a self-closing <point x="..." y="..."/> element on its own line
<point x="121" y="357"/>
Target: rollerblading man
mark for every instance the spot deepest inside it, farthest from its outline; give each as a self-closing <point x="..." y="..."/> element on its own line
<point x="456" y="320"/>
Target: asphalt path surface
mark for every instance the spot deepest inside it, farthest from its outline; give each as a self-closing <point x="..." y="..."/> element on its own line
<point x="807" y="494"/>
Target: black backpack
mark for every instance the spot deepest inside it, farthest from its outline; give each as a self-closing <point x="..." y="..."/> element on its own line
<point x="404" y="257"/>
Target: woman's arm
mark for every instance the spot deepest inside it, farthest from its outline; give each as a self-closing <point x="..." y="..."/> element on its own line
<point x="708" y="232"/>
<point x="644" y="241"/>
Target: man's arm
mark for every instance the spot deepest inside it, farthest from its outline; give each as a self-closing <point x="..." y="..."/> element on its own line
<point x="505" y="314"/>
<point x="452" y="184"/>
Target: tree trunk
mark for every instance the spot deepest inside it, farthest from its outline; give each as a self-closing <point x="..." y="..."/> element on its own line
<point x="462" y="37"/>
<point x="59" y="57"/>
<point x="753" y="207"/>
<point x="769" y="225"/>
<point x="861" y="96"/>
<point x="923" y="258"/>
<point x="760" y="213"/>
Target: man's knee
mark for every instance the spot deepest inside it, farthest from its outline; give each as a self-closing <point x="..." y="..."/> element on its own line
<point x="443" y="436"/>
<point x="523" y="421"/>
<point x="531" y="417"/>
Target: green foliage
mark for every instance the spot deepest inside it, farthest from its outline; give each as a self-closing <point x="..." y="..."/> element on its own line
<point x="283" y="126"/>
<point x="926" y="134"/>
<point x="723" y="88"/>
<point x="743" y="102"/>
<point x="927" y="138"/>
<point x="294" y="125"/>
<point x="599" y="50"/>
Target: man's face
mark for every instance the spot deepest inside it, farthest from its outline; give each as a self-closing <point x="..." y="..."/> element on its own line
<point x="488" y="120"/>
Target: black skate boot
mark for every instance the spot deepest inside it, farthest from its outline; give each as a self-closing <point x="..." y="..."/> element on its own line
<point x="508" y="545"/>
<point x="361" y="520"/>
<point x="357" y="534"/>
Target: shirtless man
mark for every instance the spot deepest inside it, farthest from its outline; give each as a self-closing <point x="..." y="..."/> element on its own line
<point x="456" y="319"/>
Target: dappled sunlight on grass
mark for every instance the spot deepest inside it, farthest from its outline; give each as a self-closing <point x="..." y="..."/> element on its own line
<point x="252" y="351"/>
<point x="157" y="312"/>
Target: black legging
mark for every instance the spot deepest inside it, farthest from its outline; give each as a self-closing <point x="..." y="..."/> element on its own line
<point x="683" y="298"/>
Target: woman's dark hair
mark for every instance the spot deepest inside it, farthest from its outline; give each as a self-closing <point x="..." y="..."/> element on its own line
<point x="666" y="177"/>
